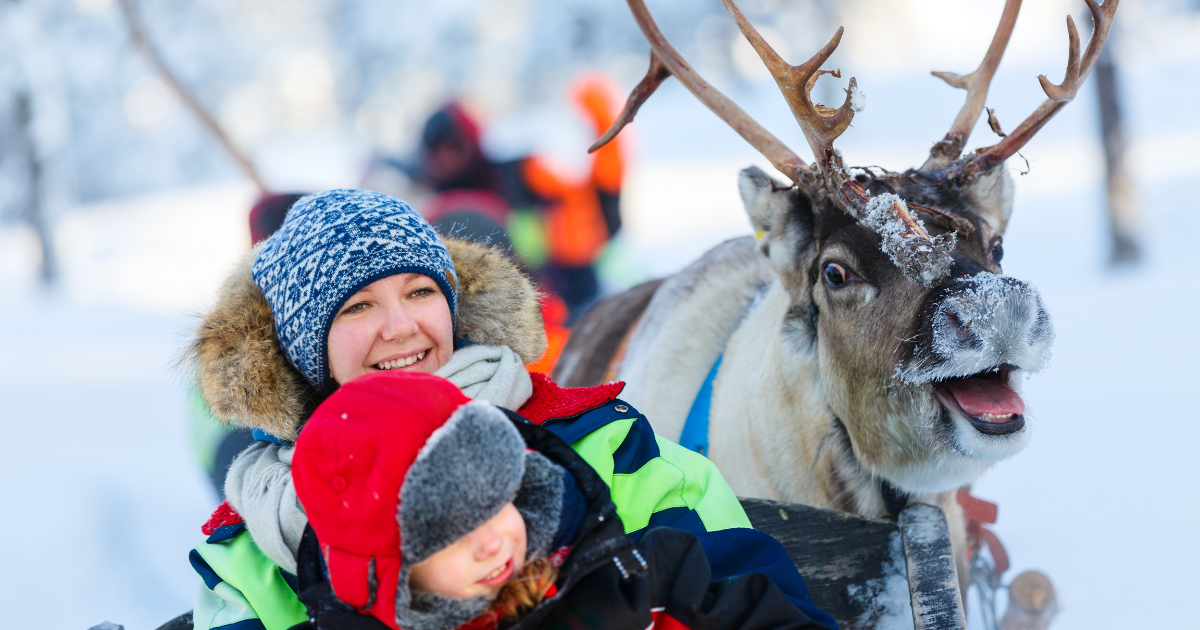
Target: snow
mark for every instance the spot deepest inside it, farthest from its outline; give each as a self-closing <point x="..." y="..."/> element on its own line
<point x="1008" y="324"/>
<point x="924" y="260"/>
<point x="858" y="100"/>
<point x="885" y="600"/>
<point x="103" y="498"/>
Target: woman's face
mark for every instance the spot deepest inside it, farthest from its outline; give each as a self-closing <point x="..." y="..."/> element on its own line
<point x="401" y="322"/>
<point x="478" y="563"/>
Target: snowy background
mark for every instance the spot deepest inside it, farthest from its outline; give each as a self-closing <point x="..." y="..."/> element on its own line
<point x="102" y="495"/>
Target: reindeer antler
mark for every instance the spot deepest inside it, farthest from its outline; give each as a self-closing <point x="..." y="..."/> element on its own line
<point x="664" y="58"/>
<point x="657" y="73"/>
<point x="976" y="84"/>
<point x="138" y="34"/>
<point x="1059" y="95"/>
<point x="821" y="125"/>
<point x="921" y="258"/>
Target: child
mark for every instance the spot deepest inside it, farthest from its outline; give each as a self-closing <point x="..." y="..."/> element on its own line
<point x="428" y="511"/>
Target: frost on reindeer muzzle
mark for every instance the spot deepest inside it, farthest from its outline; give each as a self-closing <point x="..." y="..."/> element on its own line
<point x="984" y="329"/>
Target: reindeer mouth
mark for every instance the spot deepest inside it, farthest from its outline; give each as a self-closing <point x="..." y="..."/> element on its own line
<point x="986" y="399"/>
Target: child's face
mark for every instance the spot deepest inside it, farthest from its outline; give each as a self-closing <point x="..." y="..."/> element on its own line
<point x="478" y="563"/>
<point x="400" y="322"/>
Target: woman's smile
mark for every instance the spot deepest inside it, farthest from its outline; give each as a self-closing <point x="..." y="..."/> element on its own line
<point x="397" y="362"/>
<point x="401" y="322"/>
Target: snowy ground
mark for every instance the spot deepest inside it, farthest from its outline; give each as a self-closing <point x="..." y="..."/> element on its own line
<point x="103" y="498"/>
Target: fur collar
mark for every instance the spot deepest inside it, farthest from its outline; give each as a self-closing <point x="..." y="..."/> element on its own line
<point x="245" y="377"/>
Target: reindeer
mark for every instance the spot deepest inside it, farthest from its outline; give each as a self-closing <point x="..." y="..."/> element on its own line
<point x="870" y="348"/>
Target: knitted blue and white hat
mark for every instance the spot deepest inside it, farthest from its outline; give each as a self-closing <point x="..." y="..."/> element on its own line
<point x="331" y="245"/>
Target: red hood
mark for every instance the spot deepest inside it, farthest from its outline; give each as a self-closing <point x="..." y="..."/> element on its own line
<point x="550" y="401"/>
<point x="224" y="515"/>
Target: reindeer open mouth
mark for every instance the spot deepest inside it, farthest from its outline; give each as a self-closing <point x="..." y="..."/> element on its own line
<point x="985" y="321"/>
<point x="986" y="399"/>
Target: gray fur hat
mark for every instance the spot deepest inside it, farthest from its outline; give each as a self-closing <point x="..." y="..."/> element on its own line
<point x="395" y="466"/>
<point x="468" y="470"/>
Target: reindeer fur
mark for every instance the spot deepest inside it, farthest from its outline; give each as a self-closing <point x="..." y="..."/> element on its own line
<point x="809" y="404"/>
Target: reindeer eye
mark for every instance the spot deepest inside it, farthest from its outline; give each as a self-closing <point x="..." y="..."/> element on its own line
<point x="997" y="251"/>
<point x="835" y="275"/>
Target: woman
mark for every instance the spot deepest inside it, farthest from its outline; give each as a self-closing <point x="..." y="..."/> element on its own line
<point x="354" y="283"/>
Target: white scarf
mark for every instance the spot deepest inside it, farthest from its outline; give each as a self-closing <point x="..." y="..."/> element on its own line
<point x="259" y="487"/>
<point x="492" y="374"/>
<point x="259" y="484"/>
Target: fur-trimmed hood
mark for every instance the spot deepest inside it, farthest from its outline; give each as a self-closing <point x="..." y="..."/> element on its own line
<point x="247" y="380"/>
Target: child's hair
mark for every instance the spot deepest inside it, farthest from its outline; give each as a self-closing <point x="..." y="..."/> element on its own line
<point x="528" y="590"/>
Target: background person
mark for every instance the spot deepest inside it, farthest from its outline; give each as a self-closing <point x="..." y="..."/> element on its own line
<point x="558" y="222"/>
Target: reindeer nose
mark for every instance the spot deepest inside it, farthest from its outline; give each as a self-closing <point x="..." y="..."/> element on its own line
<point x="995" y="319"/>
<point x="961" y="330"/>
<point x="979" y="323"/>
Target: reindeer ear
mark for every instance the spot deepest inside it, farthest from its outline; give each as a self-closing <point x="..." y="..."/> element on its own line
<point x="766" y="200"/>
<point x="992" y="196"/>
<point x="783" y="222"/>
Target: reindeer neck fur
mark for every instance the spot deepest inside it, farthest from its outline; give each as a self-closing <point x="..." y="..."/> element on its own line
<point x="685" y="328"/>
<point x="773" y="433"/>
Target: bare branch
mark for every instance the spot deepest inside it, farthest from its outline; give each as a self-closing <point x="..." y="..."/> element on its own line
<point x="138" y="34"/>
<point x="976" y="84"/>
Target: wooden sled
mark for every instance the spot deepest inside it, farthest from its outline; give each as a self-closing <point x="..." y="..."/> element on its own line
<point x="867" y="574"/>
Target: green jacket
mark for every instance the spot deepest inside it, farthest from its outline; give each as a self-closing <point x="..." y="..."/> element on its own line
<point x="654" y="483"/>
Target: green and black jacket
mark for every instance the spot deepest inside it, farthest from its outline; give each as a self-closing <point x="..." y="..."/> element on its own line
<point x="653" y="483"/>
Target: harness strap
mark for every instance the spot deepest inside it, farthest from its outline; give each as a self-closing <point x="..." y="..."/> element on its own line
<point x="894" y="499"/>
<point x="695" y="429"/>
<point x="979" y="514"/>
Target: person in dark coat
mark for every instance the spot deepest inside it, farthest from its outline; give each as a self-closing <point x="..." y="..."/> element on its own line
<point x="429" y="511"/>
<point x="559" y="223"/>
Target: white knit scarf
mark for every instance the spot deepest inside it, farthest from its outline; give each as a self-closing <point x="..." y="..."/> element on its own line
<point x="492" y="374"/>
<point x="259" y="484"/>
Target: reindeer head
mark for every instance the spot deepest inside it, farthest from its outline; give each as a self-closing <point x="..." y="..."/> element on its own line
<point x="924" y="379"/>
<point x="895" y="278"/>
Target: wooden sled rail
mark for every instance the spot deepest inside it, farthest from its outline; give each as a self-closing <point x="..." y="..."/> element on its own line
<point x="865" y="573"/>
